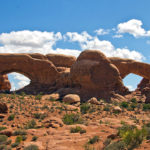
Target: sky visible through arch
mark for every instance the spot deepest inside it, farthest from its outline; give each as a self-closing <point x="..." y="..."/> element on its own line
<point x="117" y="28"/>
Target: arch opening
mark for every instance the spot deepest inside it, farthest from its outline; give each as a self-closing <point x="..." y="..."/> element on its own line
<point x="131" y="81"/>
<point x="18" y="80"/>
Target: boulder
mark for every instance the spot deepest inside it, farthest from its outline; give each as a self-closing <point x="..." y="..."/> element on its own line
<point x="54" y="96"/>
<point x="94" y="100"/>
<point x="3" y="108"/>
<point x="71" y="99"/>
<point x="117" y="109"/>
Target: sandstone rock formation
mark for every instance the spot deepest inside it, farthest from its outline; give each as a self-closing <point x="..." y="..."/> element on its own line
<point x="96" y="75"/>
<point x="127" y="66"/>
<point x="3" y="108"/>
<point x="92" y="74"/>
<point x="144" y="88"/>
<point x="4" y="83"/>
<point x="71" y="99"/>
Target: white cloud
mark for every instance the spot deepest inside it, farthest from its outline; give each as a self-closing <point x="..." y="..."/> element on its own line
<point x="76" y="37"/>
<point x="19" y="81"/>
<point x="133" y="27"/>
<point x="102" y="31"/>
<point x="118" y="36"/>
<point x="28" y="41"/>
<point x="105" y="46"/>
<point x="130" y="87"/>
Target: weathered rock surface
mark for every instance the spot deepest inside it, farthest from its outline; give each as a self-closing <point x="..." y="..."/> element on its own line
<point x="4" y="83"/>
<point x="93" y="100"/>
<point x="3" y="108"/>
<point x="96" y="75"/>
<point x="53" y="122"/>
<point x="144" y="88"/>
<point x="60" y="60"/>
<point x="127" y="66"/>
<point x="71" y="99"/>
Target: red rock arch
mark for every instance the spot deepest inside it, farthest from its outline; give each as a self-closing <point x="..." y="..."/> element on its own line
<point x="37" y="70"/>
<point x="127" y="66"/>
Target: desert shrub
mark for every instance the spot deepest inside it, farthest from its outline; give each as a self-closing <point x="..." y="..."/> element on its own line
<point x="133" y="100"/>
<point x="84" y="108"/>
<point x="31" y="124"/>
<point x="14" y="145"/>
<point x="31" y="147"/>
<point x="124" y="104"/>
<point x="39" y="116"/>
<point x="133" y="106"/>
<point x="2" y="128"/>
<point x="77" y="129"/>
<point x="3" y="147"/>
<point x="119" y="145"/>
<point x="18" y="139"/>
<point x="24" y="137"/>
<point x="20" y="132"/>
<point x="132" y="136"/>
<point x="11" y="117"/>
<point x="72" y="119"/>
<point x="146" y="107"/>
<point x="3" y="139"/>
<point x="38" y="97"/>
<point x="107" y="108"/>
<point x="34" y="138"/>
<point x="93" y="140"/>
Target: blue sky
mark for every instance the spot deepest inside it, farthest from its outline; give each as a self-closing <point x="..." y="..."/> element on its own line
<point x="117" y="28"/>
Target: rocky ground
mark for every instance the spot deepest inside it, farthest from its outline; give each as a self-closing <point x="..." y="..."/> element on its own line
<point x="42" y="122"/>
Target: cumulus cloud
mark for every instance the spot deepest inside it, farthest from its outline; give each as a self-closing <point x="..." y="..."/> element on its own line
<point x="133" y="27"/>
<point x="104" y="46"/>
<point x="28" y="41"/>
<point x="102" y="31"/>
<point x="130" y="87"/>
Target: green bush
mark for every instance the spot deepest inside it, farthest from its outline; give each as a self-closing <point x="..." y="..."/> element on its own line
<point x="84" y="108"/>
<point x="3" y="139"/>
<point x="31" y="147"/>
<point x="93" y="140"/>
<point x="39" y="116"/>
<point x="119" y="145"/>
<point x="107" y="108"/>
<point x="14" y="145"/>
<point x="72" y="119"/>
<point x="20" y="132"/>
<point x="77" y="129"/>
<point x="31" y="124"/>
<point x="132" y="136"/>
<point x="124" y="104"/>
<point x="34" y="138"/>
<point x="11" y="117"/>
<point x="133" y="100"/>
<point x="146" y="107"/>
<point x="18" y="139"/>
<point x="24" y="137"/>
<point x="2" y="128"/>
